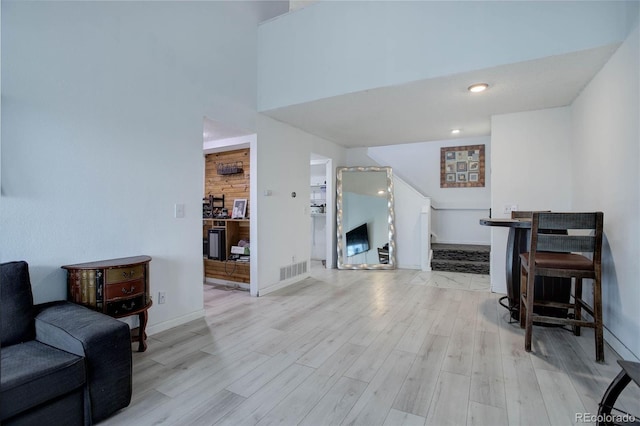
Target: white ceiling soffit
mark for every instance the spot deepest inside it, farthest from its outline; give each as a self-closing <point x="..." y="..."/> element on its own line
<point x="427" y="110"/>
<point x="218" y="137"/>
<point x="213" y="130"/>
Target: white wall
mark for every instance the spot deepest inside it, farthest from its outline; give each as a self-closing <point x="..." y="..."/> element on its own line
<point x="606" y="177"/>
<point x="283" y="154"/>
<point x="335" y="47"/>
<point x="530" y="167"/>
<point x="102" y="106"/>
<point x="455" y="211"/>
<point x="408" y="205"/>
<point x="419" y="165"/>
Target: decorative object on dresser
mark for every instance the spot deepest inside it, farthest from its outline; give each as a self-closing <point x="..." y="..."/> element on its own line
<point x="116" y="287"/>
<point x="61" y="363"/>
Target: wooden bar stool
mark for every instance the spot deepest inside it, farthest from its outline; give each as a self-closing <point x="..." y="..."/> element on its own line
<point x="563" y="255"/>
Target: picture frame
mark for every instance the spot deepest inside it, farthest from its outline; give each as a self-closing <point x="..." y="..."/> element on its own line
<point x="462" y="166"/>
<point x="239" y="208"/>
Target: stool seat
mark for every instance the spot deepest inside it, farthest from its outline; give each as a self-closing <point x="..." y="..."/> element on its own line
<point x="560" y="261"/>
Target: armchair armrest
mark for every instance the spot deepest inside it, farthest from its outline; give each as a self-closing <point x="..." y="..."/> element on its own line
<point x="104" y="342"/>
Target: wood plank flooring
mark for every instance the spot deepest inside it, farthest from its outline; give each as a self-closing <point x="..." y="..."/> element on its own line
<point x="366" y="348"/>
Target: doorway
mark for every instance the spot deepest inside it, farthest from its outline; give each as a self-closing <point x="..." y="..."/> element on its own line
<point x="218" y="140"/>
<point x="322" y="210"/>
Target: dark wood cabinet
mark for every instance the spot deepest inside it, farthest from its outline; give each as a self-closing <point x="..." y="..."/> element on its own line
<point x="116" y="287"/>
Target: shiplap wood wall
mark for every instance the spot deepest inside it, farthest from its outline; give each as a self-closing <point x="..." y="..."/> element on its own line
<point x="234" y="186"/>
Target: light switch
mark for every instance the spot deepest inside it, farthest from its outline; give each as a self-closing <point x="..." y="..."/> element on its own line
<point x="179" y="211"/>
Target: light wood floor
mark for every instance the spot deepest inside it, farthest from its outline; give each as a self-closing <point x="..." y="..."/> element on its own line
<point x="365" y="348"/>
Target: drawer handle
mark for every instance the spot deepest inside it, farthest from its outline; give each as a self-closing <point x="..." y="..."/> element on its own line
<point x="125" y="291"/>
<point x="129" y="308"/>
<point x="129" y="274"/>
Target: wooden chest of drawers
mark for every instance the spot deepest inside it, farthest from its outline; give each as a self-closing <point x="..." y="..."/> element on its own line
<point x="116" y="287"/>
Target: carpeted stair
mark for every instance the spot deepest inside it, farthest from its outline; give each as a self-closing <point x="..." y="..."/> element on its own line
<point x="471" y="259"/>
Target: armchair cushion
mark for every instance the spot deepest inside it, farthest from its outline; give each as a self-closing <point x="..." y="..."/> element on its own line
<point x="34" y="373"/>
<point x="105" y="343"/>
<point x="16" y="315"/>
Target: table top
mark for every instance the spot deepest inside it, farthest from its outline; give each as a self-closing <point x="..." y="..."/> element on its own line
<point x="110" y="263"/>
<point x="506" y="222"/>
<point x="632" y="369"/>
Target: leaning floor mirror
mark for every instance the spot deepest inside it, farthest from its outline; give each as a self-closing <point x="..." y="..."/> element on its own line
<point x="365" y="218"/>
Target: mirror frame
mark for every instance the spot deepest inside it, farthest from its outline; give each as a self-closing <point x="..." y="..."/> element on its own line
<point x="390" y="219"/>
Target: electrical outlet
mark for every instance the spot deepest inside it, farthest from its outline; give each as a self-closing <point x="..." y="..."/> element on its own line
<point x="162" y="297"/>
<point x="508" y="208"/>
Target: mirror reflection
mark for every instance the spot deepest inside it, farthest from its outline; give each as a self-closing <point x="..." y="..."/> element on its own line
<point x="365" y="218"/>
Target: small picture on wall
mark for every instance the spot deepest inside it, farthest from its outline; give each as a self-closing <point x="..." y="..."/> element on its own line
<point x="462" y="166"/>
<point x="239" y="208"/>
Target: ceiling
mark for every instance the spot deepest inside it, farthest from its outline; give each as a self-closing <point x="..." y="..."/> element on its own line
<point x="428" y="110"/>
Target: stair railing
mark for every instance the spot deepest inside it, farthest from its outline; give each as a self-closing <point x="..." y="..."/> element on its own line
<point x="425" y="236"/>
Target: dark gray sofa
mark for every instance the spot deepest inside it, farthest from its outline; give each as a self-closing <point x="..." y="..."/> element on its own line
<point x="61" y="363"/>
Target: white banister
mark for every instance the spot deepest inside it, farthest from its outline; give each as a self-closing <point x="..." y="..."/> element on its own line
<point x="425" y="236"/>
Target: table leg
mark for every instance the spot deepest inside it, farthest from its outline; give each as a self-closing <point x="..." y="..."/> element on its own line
<point x="142" y="335"/>
<point x="516" y="244"/>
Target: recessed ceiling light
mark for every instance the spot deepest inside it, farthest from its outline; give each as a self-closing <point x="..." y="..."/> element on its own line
<point x="478" y="87"/>
<point x="381" y="192"/>
<point x="455" y="131"/>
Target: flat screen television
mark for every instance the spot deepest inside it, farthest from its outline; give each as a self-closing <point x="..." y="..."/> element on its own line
<point x="357" y="240"/>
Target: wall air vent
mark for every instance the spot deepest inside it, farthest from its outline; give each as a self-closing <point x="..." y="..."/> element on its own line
<point x="293" y="270"/>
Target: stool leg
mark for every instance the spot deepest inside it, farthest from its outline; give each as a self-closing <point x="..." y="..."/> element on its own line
<point x="597" y="313"/>
<point x="531" y="277"/>
<point x="577" y="310"/>
<point x="523" y="294"/>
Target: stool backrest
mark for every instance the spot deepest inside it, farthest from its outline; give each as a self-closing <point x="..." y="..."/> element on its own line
<point x="544" y="222"/>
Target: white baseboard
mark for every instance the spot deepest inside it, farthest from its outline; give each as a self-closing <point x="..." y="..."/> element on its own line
<point x="226" y="282"/>
<point x="166" y="325"/>
<point x="417" y="267"/>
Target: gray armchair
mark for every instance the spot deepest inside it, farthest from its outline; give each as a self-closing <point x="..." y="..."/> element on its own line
<point x="61" y="363"/>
